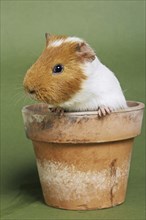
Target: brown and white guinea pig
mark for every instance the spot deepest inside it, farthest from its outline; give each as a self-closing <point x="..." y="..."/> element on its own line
<point x="69" y="75"/>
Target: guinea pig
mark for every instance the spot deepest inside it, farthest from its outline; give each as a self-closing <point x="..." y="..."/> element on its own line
<point x="69" y="75"/>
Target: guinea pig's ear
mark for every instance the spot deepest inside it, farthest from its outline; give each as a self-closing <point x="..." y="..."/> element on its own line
<point x="85" y="52"/>
<point x="47" y="36"/>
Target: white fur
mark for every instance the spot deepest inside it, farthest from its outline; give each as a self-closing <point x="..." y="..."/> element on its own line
<point x="101" y="88"/>
<point x="73" y="39"/>
<point x="58" y="43"/>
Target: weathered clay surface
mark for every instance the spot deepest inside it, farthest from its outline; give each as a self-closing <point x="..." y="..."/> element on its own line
<point x="84" y="176"/>
<point x="83" y="161"/>
<point x="82" y="127"/>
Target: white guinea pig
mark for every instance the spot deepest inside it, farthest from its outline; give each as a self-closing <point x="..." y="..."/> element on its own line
<point x="69" y="75"/>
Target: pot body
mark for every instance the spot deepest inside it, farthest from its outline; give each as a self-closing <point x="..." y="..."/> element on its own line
<point x="83" y="161"/>
<point x="84" y="176"/>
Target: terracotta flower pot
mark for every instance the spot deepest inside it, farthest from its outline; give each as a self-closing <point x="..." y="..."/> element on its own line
<point x="83" y="160"/>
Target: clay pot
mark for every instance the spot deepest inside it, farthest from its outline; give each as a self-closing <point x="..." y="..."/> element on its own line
<point x="83" y="160"/>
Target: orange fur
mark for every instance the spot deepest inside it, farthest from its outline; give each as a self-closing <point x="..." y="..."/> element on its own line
<point x="56" y="89"/>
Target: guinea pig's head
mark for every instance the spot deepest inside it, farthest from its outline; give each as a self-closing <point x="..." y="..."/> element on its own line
<point x="58" y="75"/>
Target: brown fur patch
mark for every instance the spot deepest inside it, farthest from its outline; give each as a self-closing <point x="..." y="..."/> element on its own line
<point x="85" y="52"/>
<point x="56" y="88"/>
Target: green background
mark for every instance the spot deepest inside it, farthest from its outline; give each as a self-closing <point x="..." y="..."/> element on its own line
<point x="115" y="29"/>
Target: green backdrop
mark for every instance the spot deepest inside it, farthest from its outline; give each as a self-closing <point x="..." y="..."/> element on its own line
<point x="115" y="29"/>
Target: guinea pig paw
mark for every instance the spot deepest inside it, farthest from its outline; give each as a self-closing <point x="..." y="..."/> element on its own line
<point x="57" y="110"/>
<point x="103" y="111"/>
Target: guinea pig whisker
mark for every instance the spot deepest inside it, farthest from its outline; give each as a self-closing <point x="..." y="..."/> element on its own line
<point x="19" y="88"/>
<point x="24" y="99"/>
<point x="18" y="98"/>
<point x="125" y="91"/>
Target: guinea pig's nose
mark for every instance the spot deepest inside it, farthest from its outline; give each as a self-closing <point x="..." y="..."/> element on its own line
<point x="31" y="91"/>
<point x="29" y="87"/>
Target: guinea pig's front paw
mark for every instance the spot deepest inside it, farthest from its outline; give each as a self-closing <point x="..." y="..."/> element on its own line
<point x="103" y="111"/>
<point x="57" y="110"/>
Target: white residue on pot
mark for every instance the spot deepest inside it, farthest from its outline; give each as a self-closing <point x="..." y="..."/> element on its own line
<point x="38" y="118"/>
<point x="28" y="119"/>
<point x="65" y="182"/>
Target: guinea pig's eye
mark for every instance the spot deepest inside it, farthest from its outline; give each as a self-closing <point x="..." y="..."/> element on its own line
<point x="58" y="68"/>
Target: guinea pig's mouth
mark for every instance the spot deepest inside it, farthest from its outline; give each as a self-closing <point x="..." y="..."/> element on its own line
<point x="31" y="93"/>
<point x="35" y="95"/>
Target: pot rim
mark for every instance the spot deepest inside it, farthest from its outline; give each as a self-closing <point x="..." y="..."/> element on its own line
<point x="132" y="106"/>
